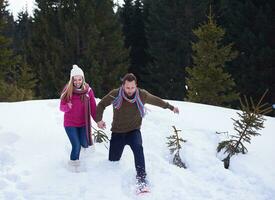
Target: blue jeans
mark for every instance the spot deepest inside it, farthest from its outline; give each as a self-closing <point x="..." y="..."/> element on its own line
<point x="134" y="140"/>
<point x="77" y="136"/>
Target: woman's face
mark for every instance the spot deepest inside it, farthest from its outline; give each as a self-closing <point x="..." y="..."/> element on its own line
<point x="78" y="81"/>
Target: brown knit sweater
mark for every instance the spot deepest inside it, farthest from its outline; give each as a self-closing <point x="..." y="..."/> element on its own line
<point x="128" y="118"/>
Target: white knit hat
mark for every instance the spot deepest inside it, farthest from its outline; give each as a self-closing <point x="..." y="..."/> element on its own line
<point x="76" y="71"/>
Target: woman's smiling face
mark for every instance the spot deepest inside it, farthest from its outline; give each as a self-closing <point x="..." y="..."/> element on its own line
<point x="78" y="81"/>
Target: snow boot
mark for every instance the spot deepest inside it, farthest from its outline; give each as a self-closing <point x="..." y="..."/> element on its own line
<point x="74" y="166"/>
<point x="141" y="185"/>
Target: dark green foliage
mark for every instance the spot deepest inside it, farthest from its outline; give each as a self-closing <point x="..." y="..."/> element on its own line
<point x="250" y="24"/>
<point x="22" y="39"/>
<point x="169" y="32"/>
<point x="207" y="80"/>
<point x="7" y="60"/>
<point x="22" y="35"/>
<point x="16" y="78"/>
<point x="82" y="32"/>
<point x="126" y="17"/>
<point x="175" y="146"/>
<point x="249" y="122"/>
<point x="133" y="19"/>
<point x="26" y="81"/>
<point x="100" y="137"/>
<point x="155" y="45"/>
<point x="106" y="56"/>
<point x="177" y="160"/>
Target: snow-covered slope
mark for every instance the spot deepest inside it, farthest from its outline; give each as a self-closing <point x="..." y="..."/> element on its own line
<point x="34" y="151"/>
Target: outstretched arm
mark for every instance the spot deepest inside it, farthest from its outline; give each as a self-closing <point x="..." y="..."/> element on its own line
<point x="156" y="101"/>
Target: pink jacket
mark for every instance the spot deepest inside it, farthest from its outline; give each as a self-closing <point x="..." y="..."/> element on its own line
<point x="76" y="115"/>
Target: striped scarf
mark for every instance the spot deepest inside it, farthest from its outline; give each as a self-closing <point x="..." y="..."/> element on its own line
<point x="121" y="95"/>
<point x="86" y="99"/>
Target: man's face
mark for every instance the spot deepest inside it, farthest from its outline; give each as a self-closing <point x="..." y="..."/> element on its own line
<point x="130" y="88"/>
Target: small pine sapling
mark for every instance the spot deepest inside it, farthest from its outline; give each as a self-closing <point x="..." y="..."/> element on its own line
<point x="100" y="136"/>
<point x="250" y="121"/>
<point x="175" y="146"/>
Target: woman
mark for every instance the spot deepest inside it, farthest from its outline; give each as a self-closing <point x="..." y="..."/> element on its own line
<point x="78" y="104"/>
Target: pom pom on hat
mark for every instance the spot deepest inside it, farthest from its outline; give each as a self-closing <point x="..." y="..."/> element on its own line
<point x="76" y="71"/>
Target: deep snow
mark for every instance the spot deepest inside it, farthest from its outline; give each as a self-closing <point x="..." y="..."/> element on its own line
<point x="34" y="151"/>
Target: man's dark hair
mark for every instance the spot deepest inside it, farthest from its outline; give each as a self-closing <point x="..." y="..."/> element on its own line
<point x="129" y="77"/>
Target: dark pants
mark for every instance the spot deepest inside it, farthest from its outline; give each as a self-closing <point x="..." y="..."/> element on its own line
<point x="77" y="136"/>
<point x="134" y="140"/>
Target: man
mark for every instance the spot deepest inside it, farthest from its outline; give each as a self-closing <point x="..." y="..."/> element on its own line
<point x="128" y="110"/>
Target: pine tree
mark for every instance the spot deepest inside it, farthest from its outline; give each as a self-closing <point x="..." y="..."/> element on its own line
<point x="7" y="61"/>
<point x="100" y="136"/>
<point x="250" y="24"/>
<point x="26" y="81"/>
<point x="11" y="71"/>
<point x="86" y="33"/>
<point x="207" y="80"/>
<point x="8" y="29"/>
<point x="133" y="25"/>
<point x="251" y="120"/>
<point x="126" y="17"/>
<point x="22" y="41"/>
<point x="169" y="30"/>
<point x="22" y="34"/>
<point x="175" y="146"/>
<point x="105" y="54"/>
<point x="47" y="50"/>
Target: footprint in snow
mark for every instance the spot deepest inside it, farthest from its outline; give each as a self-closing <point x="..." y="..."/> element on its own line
<point x="6" y="160"/>
<point x="8" y="139"/>
<point x="3" y="184"/>
<point x="12" y="177"/>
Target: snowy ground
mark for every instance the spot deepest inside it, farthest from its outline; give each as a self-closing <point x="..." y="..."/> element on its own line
<point x="34" y="151"/>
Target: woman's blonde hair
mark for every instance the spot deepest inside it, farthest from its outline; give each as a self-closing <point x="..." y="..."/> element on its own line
<point x="67" y="92"/>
